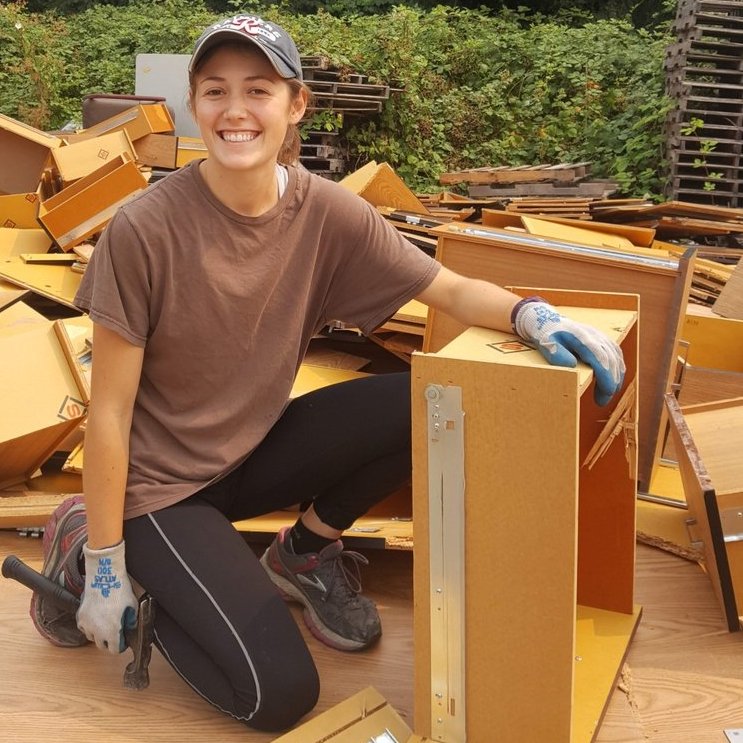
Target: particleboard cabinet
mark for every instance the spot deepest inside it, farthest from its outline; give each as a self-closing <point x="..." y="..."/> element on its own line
<point x="524" y="497"/>
<point x="507" y="257"/>
<point x="707" y="442"/>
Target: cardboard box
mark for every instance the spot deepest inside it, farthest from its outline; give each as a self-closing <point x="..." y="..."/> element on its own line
<point x="365" y="717"/>
<point x="138" y="121"/>
<point x="76" y="160"/>
<point x="42" y="402"/>
<point x="85" y="207"/>
<point x="157" y="151"/>
<point x="24" y="153"/>
<point x="19" y="211"/>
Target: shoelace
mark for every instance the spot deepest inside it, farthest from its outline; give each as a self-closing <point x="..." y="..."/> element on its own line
<point x="349" y="571"/>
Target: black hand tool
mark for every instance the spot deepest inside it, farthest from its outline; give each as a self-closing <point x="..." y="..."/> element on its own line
<point x="139" y="637"/>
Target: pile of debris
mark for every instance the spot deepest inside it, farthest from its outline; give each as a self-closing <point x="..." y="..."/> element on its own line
<point x="58" y="191"/>
<point x="705" y="80"/>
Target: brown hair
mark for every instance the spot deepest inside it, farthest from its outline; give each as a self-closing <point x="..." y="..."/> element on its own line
<point x="290" y="149"/>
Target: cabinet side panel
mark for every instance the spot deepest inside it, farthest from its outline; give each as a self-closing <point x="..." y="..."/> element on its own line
<point x="521" y="481"/>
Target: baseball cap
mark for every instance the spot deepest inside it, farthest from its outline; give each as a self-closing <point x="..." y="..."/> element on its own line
<point x="273" y="40"/>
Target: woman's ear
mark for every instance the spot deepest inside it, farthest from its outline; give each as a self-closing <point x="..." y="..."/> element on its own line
<point x="298" y="106"/>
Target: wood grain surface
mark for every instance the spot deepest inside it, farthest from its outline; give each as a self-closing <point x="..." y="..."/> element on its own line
<point x="682" y="683"/>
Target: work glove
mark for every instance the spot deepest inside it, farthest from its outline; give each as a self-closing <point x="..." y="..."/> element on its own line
<point x="108" y="604"/>
<point x="562" y="341"/>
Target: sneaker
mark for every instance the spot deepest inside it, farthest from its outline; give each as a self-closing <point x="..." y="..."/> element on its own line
<point x="328" y="584"/>
<point x="64" y="536"/>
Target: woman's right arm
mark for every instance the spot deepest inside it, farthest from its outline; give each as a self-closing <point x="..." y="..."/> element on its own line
<point x="117" y="365"/>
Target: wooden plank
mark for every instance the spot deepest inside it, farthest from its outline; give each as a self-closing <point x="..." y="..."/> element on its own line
<point x="565" y="173"/>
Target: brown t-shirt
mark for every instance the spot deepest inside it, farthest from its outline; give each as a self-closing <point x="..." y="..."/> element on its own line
<point x="226" y="306"/>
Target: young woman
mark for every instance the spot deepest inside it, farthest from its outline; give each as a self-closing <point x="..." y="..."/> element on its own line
<point x="205" y="291"/>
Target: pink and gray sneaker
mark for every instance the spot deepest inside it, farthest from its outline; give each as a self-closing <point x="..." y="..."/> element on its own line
<point x="328" y="585"/>
<point x="64" y="536"/>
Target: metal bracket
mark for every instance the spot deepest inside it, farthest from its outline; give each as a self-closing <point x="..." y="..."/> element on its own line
<point x="446" y="509"/>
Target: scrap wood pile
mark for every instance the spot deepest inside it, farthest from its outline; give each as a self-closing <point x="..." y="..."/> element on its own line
<point x="59" y="190"/>
<point x="343" y="93"/>
<point x="705" y="81"/>
<point x="715" y="232"/>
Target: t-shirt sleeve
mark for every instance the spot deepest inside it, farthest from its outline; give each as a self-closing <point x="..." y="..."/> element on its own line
<point x="379" y="270"/>
<point x="115" y="289"/>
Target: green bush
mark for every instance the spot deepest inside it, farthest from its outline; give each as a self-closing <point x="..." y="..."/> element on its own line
<point x="478" y="88"/>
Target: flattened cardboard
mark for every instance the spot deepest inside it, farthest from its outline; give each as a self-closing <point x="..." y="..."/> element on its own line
<point x="85" y="207"/>
<point x="76" y="160"/>
<point x="59" y="283"/>
<point x="18" y="318"/>
<point x="10" y="294"/>
<point x="24" y="153"/>
<point x="366" y="717"/>
<point x="42" y="402"/>
<point x="15" y="242"/>
<point x="19" y="211"/>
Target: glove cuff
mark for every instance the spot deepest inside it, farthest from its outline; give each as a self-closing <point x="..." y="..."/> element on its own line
<point x="112" y="551"/>
<point x="518" y="307"/>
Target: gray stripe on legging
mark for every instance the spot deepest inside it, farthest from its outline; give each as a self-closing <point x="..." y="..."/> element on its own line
<point x="226" y="621"/>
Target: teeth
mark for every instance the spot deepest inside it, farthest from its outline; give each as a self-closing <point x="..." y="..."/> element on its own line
<point x="238" y="136"/>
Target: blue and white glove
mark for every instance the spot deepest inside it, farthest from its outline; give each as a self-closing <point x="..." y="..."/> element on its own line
<point x="108" y="603"/>
<point x="562" y="341"/>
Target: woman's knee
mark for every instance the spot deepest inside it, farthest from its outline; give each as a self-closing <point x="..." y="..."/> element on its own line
<point x="288" y="691"/>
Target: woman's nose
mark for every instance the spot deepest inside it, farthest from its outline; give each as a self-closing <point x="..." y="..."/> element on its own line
<point x="235" y="107"/>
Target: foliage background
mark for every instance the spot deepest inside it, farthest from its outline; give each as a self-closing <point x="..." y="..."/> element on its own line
<point x="479" y="87"/>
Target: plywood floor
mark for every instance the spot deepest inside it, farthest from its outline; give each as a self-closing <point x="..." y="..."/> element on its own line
<point x="683" y="681"/>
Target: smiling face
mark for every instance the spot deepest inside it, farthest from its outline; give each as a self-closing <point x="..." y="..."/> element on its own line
<point x="243" y="109"/>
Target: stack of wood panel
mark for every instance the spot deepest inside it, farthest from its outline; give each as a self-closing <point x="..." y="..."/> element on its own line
<point x="342" y="93"/>
<point x="346" y="92"/>
<point x="704" y="76"/>
<point x="561" y="180"/>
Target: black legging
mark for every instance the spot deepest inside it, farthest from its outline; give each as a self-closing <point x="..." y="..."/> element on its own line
<point x="219" y="621"/>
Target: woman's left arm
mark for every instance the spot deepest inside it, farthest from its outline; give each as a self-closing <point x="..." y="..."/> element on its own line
<point x="470" y="301"/>
<point x="559" y="339"/>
